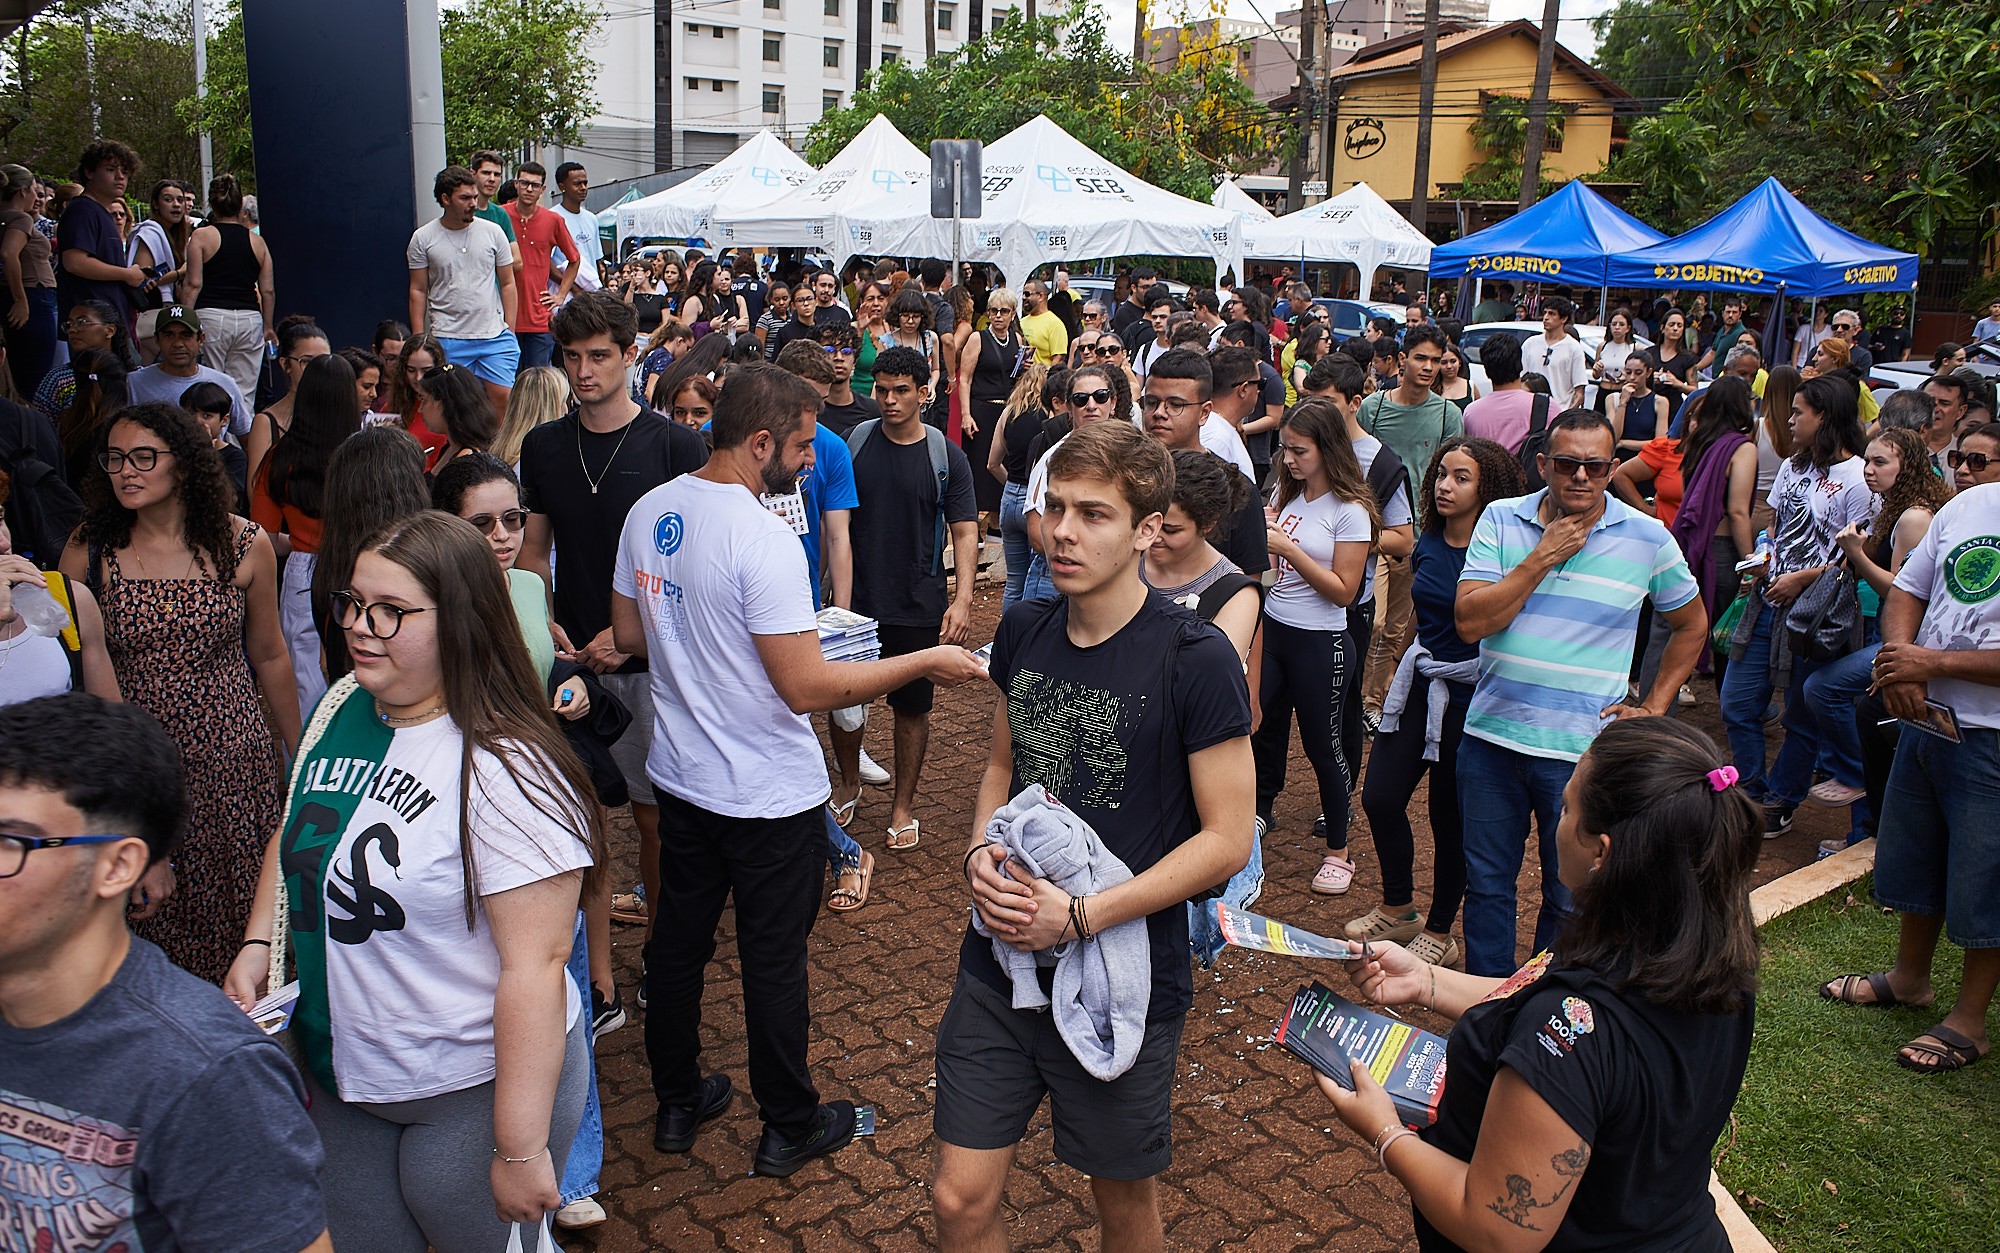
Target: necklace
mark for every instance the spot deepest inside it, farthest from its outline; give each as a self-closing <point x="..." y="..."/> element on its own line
<point x="616" y="449"/>
<point x="170" y="605"/>
<point x="412" y="720"/>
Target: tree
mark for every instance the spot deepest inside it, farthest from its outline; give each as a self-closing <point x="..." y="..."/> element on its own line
<point x="1672" y="159"/>
<point x="1427" y="75"/>
<point x="142" y="72"/>
<point x="1176" y="128"/>
<point x="1501" y="132"/>
<point x="226" y="112"/>
<point x="1644" y="48"/>
<point x="517" y="71"/>
<point x="1538" y="103"/>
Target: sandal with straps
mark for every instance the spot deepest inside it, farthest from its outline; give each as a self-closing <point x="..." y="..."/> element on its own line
<point x="844" y="899"/>
<point x="1952" y="1051"/>
<point x="1843" y="988"/>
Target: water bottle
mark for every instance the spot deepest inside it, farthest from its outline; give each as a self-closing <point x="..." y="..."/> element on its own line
<point x="1762" y="548"/>
<point x="40" y="613"/>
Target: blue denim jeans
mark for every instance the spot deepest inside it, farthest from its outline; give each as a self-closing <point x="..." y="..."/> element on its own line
<point x="1014" y="541"/>
<point x="1746" y="694"/>
<point x="1037" y="585"/>
<point x="1242" y="891"/>
<point x="1832" y="692"/>
<point x="537" y="348"/>
<point x="586" y="1152"/>
<point x="842" y="853"/>
<point x="1499" y="791"/>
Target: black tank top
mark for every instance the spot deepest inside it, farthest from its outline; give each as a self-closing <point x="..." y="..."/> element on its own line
<point x="229" y="278"/>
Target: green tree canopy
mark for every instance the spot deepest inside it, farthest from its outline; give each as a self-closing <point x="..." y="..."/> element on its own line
<point x="1642" y="45"/>
<point x="517" y="71"/>
<point x="1177" y="128"/>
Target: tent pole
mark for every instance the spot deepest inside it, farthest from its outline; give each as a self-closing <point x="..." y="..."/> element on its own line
<point x="1604" y="306"/>
<point x="1812" y="316"/>
<point x="1478" y="292"/>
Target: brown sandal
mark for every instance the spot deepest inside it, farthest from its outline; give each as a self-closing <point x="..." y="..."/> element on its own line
<point x="1842" y="990"/>
<point x="1952" y="1051"/>
<point x="845" y="900"/>
<point x="629" y="908"/>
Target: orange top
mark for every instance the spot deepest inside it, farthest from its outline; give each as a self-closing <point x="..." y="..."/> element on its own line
<point x="302" y="527"/>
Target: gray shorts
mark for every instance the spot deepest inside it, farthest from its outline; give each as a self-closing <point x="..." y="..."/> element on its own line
<point x="631" y="748"/>
<point x="995" y="1063"/>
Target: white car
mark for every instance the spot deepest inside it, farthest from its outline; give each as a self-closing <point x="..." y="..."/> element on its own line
<point x="1592" y="338"/>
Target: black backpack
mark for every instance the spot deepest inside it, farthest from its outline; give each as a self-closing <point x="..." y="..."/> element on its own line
<point x="1537" y="443"/>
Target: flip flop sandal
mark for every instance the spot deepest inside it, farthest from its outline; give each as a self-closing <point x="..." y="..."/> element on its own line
<point x="1952" y="1050"/>
<point x="629" y="908"/>
<point x="844" y="814"/>
<point x="1842" y="990"/>
<point x="845" y="900"/>
<point x="897" y="844"/>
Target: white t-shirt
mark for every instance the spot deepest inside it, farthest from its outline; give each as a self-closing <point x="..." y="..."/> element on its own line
<point x="32" y="665"/>
<point x="1956" y="568"/>
<point x="1148" y="353"/>
<point x="1316" y="525"/>
<point x="1806" y="340"/>
<point x="1219" y="436"/>
<point x="1812" y="508"/>
<point x="1396" y="513"/>
<point x="1562" y="364"/>
<point x="589" y="247"/>
<point x="710" y="568"/>
<point x="409" y="989"/>
<point x="463" y="301"/>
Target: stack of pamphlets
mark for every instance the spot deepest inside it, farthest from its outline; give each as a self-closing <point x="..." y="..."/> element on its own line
<point x="847" y="636"/>
<point x="1332" y="1033"/>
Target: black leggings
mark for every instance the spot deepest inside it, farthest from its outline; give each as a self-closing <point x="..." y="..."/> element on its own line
<point x="1308" y="671"/>
<point x="1393" y="773"/>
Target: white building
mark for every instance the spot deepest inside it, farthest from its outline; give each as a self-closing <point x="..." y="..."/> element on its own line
<point x="682" y="84"/>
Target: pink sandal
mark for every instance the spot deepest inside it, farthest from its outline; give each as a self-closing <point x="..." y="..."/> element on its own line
<point x="1335" y="876"/>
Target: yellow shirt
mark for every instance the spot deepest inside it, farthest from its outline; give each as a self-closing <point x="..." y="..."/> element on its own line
<point x="1048" y="335"/>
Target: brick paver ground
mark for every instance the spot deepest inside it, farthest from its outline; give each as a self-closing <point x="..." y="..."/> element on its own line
<point x="1259" y="1160"/>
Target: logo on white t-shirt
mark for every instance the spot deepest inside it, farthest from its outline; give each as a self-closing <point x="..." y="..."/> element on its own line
<point x="667" y="534"/>
<point x="1972" y="571"/>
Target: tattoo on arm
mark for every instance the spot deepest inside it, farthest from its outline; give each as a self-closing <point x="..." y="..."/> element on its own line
<point x="1519" y="1203"/>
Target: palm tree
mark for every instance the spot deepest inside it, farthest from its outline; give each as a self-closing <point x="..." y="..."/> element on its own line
<point x="1538" y="104"/>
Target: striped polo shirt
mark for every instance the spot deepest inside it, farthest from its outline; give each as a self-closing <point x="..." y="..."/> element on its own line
<point x="1545" y="680"/>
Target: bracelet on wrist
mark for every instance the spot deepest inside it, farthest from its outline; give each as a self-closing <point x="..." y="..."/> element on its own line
<point x="1382" y="1149"/>
<point x="965" y="867"/>
<point x="248" y="943"/>
<point x="517" y="1160"/>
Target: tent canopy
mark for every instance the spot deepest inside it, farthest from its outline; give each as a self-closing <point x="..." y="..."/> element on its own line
<point x="756" y="173"/>
<point x="1763" y="241"/>
<point x="1047" y="198"/>
<point x="1569" y="237"/>
<point x="1357" y="227"/>
<point x="879" y="173"/>
<point x="1230" y="197"/>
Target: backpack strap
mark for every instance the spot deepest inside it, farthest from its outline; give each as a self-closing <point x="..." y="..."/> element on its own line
<point x="934" y="443"/>
<point x="71" y="635"/>
<point x="1538" y="415"/>
<point x="859" y="436"/>
<point x="1221" y="592"/>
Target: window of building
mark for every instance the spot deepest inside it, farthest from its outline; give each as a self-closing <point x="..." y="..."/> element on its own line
<point x="715" y="32"/>
<point x="947" y="17"/>
<point x="694" y="28"/>
<point x="774" y="47"/>
<point x="829" y="101"/>
<point x="774" y="99"/>
<point x="830" y="57"/>
<point x="694" y="84"/>
<point x="891" y="13"/>
<point x="832" y="8"/>
<point x="891" y="55"/>
<point x="774" y="5"/>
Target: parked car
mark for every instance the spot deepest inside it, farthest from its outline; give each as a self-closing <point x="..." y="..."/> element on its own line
<point x="1100" y="287"/>
<point x="1350" y="317"/>
<point x="1982" y="358"/>
<point x="1592" y="338"/>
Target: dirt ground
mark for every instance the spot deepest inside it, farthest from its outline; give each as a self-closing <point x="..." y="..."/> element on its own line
<point x="1259" y="1161"/>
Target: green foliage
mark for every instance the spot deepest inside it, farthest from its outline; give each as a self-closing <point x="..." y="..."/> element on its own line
<point x="226" y="111"/>
<point x="1177" y="128"/>
<point x="1501" y="131"/>
<point x="1643" y="48"/>
<point x="1670" y="157"/>
<point x="516" y="71"/>
<point x="141" y="76"/>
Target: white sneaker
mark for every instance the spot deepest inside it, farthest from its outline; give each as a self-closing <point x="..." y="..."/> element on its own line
<point x="872" y="774"/>
<point x="1685" y="697"/>
<point x="580" y="1214"/>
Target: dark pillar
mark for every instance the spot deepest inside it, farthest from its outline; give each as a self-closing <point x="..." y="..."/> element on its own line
<point x="349" y="101"/>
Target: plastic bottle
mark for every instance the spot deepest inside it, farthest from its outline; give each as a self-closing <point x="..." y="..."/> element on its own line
<point x="39" y="611"/>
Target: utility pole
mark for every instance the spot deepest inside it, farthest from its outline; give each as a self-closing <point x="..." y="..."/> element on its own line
<point x="1309" y="129"/>
<point x="1139" y="32"/>
<point x="930" y="31"/>
<point x="1538" y="105"/>
<point x="1427" y="80"/>
<point x="201" y="95"/>
<point x="90" y="76"/>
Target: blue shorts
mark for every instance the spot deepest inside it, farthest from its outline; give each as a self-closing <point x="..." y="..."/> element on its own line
<point x="1937" y="844"/>
<point x="496" y="360"/>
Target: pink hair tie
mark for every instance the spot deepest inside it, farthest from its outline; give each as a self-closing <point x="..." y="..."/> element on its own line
<point x="1722" y="778"/>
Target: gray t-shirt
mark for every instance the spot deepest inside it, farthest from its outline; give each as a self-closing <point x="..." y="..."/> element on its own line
<point x="158" y="1118"/>
<point x="463" y="302"/>
<point x="154" y="383"/>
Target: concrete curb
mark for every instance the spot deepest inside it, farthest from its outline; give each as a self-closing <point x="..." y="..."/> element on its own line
<point x="1780" y="896"/>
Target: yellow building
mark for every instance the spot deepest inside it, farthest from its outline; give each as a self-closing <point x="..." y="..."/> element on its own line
<point x="1373" y="130"/>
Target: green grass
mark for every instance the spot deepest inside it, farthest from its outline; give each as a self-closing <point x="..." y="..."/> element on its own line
<point x="1913" y="1161"/>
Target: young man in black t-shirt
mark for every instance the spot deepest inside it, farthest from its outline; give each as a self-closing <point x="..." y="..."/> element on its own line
<point x="1134" y="714"/>
<point x="899" y="559"/>
<point x="580" y="476"/>
<point x="843" y="410"/>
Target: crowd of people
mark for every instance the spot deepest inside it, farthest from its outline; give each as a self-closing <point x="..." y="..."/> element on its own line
<point x="326" y="667"/>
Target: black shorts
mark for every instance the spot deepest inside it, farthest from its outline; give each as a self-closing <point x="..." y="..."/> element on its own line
<point x="918" y="695"/>
<point x="995" y="1063"/>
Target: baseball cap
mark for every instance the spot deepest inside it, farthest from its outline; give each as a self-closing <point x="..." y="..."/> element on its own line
<point x="179" y="315"/>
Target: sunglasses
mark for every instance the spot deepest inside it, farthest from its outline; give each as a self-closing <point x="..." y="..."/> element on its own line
<point x="832" y="351"/>
<point x="1101" y="396"/>
<point x="1114" y="349"/>
<point x="512" y="520"/>
<point x="1973" y="461"/>
<point x="1566" y="467"/>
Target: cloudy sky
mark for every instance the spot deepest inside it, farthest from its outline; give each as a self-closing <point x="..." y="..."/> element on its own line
<point x="1575" y="32"/>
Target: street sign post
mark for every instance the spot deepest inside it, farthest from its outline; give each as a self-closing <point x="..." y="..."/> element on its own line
<point x="955" y="185"/>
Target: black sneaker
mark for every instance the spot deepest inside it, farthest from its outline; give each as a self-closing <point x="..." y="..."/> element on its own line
<point x="677" y="1125"/>
<point x="1319" y="827"/>
<point x="1777" y="819"/>
<point x="832" y="1128"/>
<point x="605" y="1016"/>
<point x="640" y="994"/>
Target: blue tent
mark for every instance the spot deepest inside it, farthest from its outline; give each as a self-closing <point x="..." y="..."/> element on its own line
<point x="1765" y="241"/>
<point x="1568" y="238"/>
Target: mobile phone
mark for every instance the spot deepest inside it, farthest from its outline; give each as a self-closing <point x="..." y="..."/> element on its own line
<point x="160" y="270"/>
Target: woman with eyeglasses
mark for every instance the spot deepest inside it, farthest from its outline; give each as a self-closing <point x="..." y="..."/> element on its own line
<point x="1818" y="493"/>
<point x="299" y="345"/>
<point x="93" y="324"/>
<point x="453" y="401"/>
<point x="991" y="362"/>
<point x="1113" y="355"/>
<point x="430" y="923"/>
<point x="1976" y="460"/>
<point x="287" y="495"/>
<point x="374" y="478"/>
<point x="189" y="598"/>
<point x="909" y="319"/>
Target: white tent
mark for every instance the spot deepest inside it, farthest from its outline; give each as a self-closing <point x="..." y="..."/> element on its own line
<point x="1049" y="198"/>
<point x="1228" y="195"/>
<point x="756" y="173"/>
<point x="878" y="174"/>
<point x="1357" y="227"/>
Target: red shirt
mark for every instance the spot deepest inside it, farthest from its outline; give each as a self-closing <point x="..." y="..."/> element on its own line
<point x="539" y="236"/>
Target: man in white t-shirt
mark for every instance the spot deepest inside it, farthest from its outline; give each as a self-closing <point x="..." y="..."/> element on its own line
<point x="712" y="587"/>
<point x="1937" y="862"/>
<point x="572" y="185"/>
<point x="462" y="286"/>
<point x="1557" y="355"/>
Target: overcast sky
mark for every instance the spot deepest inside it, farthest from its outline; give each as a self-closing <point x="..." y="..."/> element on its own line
<point x="1575" y="34"/>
